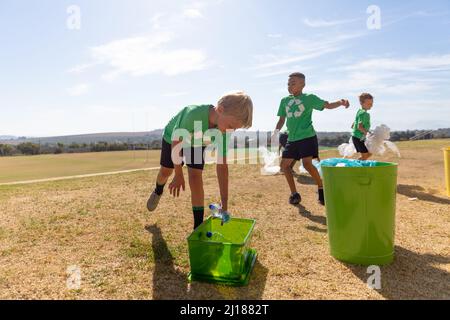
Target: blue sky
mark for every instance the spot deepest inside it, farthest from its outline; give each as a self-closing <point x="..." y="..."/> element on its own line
<point x="133" y="64"/>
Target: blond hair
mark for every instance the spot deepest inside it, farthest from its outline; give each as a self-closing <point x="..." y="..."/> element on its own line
<point x="239" y="105"/>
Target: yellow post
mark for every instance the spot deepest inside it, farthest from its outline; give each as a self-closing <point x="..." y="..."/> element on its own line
<point x="447" y="168"/>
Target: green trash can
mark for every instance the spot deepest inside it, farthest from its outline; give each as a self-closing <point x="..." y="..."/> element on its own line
<point x="360" y="206"/>
<point x="226" y="259"/>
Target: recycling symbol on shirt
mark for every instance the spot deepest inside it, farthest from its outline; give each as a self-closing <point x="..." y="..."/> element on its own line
<point x="300" y="108"/>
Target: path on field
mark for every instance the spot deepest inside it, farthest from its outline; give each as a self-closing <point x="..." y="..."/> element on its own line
<point x="92" y="175"/>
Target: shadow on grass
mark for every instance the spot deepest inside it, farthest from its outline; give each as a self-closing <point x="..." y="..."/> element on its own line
<point x="168" y="283"/>
<point x="420" y="193"/>
<point x="172" y="284"/>
<point x="411" y="276"/>
<point x="304" y="179"/>
<point x="307" y="214"/>
<point x="316" y="229"/>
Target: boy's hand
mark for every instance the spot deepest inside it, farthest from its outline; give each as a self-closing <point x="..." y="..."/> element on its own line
<point x="345" y="103"/>
<point x="176" y="184"/>
<point x="275" y="136"/>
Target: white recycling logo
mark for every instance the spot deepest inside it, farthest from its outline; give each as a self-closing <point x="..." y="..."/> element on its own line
<point x="300" y="108"/>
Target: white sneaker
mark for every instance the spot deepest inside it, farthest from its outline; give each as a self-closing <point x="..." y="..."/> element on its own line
<point x="153" y="201"/>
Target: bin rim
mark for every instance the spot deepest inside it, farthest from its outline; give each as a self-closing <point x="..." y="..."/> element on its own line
<point x="227" y="243"/>
<point x="446" y="149"/>
<point x="388" y="164"/>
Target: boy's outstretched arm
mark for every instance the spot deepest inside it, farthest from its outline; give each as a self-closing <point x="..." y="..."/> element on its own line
<point x="337" y="104"/>
<point x="222" y="177"/>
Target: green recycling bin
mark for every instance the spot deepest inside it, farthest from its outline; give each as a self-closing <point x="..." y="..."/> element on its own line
<point x="226" y="257"/>
<point x="360" y="206"/>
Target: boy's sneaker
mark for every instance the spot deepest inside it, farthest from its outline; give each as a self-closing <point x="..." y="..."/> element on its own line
<point x="295" y="198"/>
<point x="321" y="197"/>
<point x="153" y="201"/>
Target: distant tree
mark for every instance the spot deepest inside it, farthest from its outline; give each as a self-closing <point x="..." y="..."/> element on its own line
<point x="59" y="148"/>
<point x="6" y="150"/>
<point x="29" y="148"/>
<point x="74" y="145"/>
<point x="99" y="146"/>
<point x="156" y="144"/>
<point x="117" y="146"/>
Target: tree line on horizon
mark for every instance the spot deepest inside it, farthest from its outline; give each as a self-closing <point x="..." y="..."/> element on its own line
<point x="30" y="148"/>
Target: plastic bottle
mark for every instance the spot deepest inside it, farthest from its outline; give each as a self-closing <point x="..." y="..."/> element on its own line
<point x="217" y="213"/>
<point x="215" y="208"/>
<point x="215" y="236"/>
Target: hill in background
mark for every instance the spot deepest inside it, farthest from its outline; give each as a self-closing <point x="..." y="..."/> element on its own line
<point x="152" y="139"/>
<point x="110" y="137"/>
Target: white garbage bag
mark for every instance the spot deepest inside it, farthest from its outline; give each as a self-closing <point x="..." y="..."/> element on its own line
<point x="347" y="150"/>
<point x="271" y="160"/>
<point x="376" y="143"/>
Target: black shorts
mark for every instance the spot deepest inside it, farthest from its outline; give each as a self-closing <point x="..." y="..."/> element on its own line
<point x="302" y="149"/>
<point x="189" y="153"/>
<point x="360" y="145"/>
<point x="284" y="139"/>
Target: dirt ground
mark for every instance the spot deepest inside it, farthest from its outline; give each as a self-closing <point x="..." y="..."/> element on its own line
<point x="100" y="226"/>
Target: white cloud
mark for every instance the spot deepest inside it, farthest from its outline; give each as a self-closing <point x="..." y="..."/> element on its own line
<point x="156" y="20"/>
<point x="305" y="49"/>
<point x="150" y="53"/>
<point x="146" y="55"/>
<point x="417" y="14"/>
<point x="275" y="35"/>
<point x="320" y="23"/>
<point x="78" y="90"/>
<point x="80" y="68"/>
<point x="390" y="76"/>
<point x="412" y="64"/>
<point x="192" y="13"/>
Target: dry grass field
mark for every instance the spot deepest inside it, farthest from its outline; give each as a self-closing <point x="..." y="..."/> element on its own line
<point x="51" y="166"/>
<point x="100" y="225"/>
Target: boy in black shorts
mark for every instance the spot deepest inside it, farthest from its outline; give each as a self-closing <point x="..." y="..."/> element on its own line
<point x="361" y="126"/>
<point x="302" y="141"/>
<point x="184" y="135"/>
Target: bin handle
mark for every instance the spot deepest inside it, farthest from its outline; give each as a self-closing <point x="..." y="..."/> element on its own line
<point x="365" y="181"/>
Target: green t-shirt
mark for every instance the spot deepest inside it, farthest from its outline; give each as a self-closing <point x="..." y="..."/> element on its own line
<point x="361" y="117"/>
<point x="195" y="122"/>
<point x="298" y="112"/>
